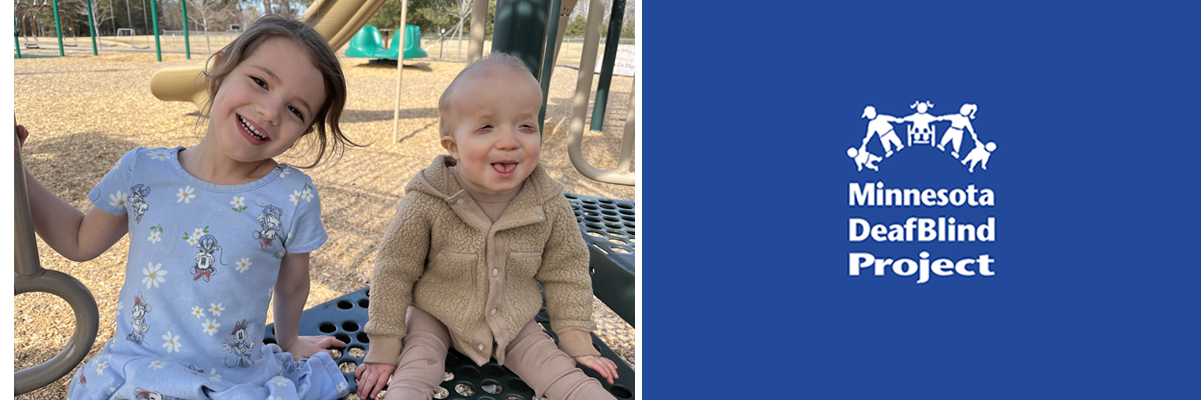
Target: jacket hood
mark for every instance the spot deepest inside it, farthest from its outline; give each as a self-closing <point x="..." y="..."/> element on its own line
<point x="436" y="181"/>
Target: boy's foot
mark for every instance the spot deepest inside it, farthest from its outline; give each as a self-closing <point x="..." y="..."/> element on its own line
<point x="889" y="153"/>
<point x="940" y="148"/>
<point x="955" y="154"/>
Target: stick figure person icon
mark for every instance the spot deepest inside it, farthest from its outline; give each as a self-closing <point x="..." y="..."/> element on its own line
<point x="979" y="154"/>
<point x="920" y="130"/>
<point x="959" y="122"/>
<point x="880" y="124"/>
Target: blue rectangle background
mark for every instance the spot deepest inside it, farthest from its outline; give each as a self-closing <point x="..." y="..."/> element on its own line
<point x="749" y="109"/>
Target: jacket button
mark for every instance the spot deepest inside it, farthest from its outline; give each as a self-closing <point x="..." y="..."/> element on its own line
<point x="493" y="312"/>
<point x="481" y="347"/>
<point x="495" y="272"/>
<point x="541" y="217"/>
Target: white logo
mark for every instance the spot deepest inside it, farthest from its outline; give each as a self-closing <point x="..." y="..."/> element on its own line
<point x="921" y="130"/>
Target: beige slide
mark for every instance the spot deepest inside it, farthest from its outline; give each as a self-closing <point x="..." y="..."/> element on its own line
<point x="337" y="22"/>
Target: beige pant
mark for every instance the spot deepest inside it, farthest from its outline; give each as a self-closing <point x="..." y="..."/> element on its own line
<point x="532" y="355"/>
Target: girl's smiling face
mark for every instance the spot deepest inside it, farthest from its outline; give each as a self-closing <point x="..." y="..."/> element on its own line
<point x="267" y="102"/>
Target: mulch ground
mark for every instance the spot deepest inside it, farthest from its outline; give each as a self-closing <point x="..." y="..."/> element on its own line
<point x="84" y="112"/>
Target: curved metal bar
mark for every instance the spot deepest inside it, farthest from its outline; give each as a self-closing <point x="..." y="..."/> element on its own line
<point x="579" y="106"/>
<point x="31" y="277"/>
<point x="87" y="322"/>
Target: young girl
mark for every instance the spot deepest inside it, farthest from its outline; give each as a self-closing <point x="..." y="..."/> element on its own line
<point x="215" y="231"/>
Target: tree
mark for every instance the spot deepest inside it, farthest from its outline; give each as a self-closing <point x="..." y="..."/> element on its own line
<point x="203" y="11"/>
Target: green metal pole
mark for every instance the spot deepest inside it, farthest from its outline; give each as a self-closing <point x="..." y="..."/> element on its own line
<point x="17" y="39"/>
<point x="92" y="27"/>
<point x="606" y="75"/>
<point x="58" y="28"/>
<point x="548" y="58"/>
<point x="520" y="30"/>
<point x="183" y="4"/>
<point x="158" y="49"/>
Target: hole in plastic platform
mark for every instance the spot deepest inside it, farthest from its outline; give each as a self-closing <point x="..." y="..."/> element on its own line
<point x="337" y="353"/>
<point x="350" y="326"/>
<point x="343" y="337"/>
<point x="513" y="398"/>
<point x="451" y="359"/>
<point x="348" y="366"/>
<point x="367" y="293"/>
<point x="621" y="250"/>
<point x="614" y="233"/>
<point x="518" y="385"/>
<point x="592" y="219"/>
<point x="469" y="372"/>
<point x="617" y="241"/>
<point x="345" y="304"/>
<point x="613" y="225"/>
<point x="627" y="206"/>
<point x="626" y="211"/>
<point x="364" y="303"/>
<point x="357" y="352"/>
<point x="593" y="226"/>
<point x="612" y="219"/>
<point x="448" y="376"/>
<point x="494" y="370"/>
<point x="570" y="196"/>
<point x="591" y="207"/>
<point x="608" y="206"/>
<point x="595" y="234"/>
<point x="606" y="201"/>
<point x="490" y="386"/>
<point x="269" y="341"/>
<point x="441" y="393"/>
<point x="362" y="337"/>
<point x="327" y="327"/>
<point x="588" y="201"/>
<point x="592" y="213"/>
<point x="621" y="392"/>
<point x="464" y="389"/>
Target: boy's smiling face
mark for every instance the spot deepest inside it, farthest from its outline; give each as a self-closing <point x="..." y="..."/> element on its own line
<point x="492" y="128"/>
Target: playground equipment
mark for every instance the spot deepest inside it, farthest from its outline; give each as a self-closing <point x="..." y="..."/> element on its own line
<point x="31" y="13"/>
<point x="336" y="20"/>
<point x="621" y="175"/>
<point x="31" y="277"/>
<point x="607" y="225"/>
<point x="368" y="44"/>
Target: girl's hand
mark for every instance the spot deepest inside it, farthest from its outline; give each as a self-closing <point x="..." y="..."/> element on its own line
<point x="22" y="133"/>
<point x="371" y="378"/>
<point x="604" y="366"/>
<point x="307" y="346"/>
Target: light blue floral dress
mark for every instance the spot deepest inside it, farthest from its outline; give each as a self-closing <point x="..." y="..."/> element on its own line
<point x="203" y="261"/>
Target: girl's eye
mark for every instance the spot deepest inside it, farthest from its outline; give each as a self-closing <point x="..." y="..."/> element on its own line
<point x="297" y="112"/>
<point x="259" y="81"/>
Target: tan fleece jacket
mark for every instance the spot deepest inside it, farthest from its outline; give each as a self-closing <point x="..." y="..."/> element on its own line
<point x="442" y="254"/>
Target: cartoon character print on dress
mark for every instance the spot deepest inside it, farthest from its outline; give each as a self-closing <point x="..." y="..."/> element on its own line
<point x="146" y="394"/>
<point x="137" y="201"/>
<point x="140" y="308"/>
<point x="205" y="260"/>
<point x="269" y="222"/>
<point x="83" y="381"/>
<point x="240" y="348"/>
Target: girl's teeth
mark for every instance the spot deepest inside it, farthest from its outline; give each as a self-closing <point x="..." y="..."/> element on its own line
<point x="251" y="129"/>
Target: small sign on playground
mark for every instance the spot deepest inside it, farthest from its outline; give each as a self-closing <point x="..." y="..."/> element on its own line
<point x="626" y="60"/>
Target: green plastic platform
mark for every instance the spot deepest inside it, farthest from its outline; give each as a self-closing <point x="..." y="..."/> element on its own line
<point x="609" y="229"/>
<point x="368" y="43"/>
<point x="345" y="316"/>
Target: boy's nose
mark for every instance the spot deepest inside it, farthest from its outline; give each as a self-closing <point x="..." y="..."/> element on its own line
<point x="507" y="140"/>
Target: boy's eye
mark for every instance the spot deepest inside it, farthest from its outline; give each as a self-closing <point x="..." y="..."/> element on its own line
<point x="296" y="111"/>
<point x="259" y="81"/>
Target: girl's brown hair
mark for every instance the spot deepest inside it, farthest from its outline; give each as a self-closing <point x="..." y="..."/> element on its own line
<point x="271" y="26"/>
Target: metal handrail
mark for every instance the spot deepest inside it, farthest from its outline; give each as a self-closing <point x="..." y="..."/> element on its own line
<point x="31" y="277"/>
<point x="579" y="107"/>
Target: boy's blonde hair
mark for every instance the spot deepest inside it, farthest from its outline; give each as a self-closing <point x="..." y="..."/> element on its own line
<point x="494" y="60"/>
<point x="272" y="26"/>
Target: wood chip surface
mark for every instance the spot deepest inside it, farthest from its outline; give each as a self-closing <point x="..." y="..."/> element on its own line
<point x="85" y="111"/>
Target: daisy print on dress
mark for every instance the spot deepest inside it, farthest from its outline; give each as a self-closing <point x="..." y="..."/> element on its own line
<point x="205" y="260"/>
<point x="269" y="224"/>
<point x="185" y="195"/>
<point x="240" y="348"/>
<point x="305" y="193"/>
<point x="238" y="203"/>
<point x="156" y="234"/>
<point x="140" y="393"/>
<point x="137" y="201"/>
<point x="140" y="308"/>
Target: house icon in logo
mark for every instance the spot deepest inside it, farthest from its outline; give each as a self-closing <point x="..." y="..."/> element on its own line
<point x="920" y="129"/>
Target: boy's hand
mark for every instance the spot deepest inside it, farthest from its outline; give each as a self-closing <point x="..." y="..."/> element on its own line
<point x="371" y="378"/>
<point x="307" y="346"/>
<point x="604" y="366"/>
